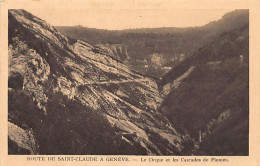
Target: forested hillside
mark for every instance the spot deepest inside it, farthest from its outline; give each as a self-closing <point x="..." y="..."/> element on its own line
<point x="163" y="91"/>
<point x="212" y="102"/>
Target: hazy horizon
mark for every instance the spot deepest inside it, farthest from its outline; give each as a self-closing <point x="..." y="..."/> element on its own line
<point x="109" y="19"/>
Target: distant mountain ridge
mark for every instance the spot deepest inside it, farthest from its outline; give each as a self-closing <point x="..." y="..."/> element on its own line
<point x="67" y="96"/>
<point x="169" y="43"/>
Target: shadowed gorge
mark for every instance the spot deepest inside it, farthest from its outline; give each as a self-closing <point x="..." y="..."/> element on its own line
<point x="162" y="91"/>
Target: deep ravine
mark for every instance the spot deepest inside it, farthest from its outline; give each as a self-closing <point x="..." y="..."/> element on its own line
<point x="66" y="96"/>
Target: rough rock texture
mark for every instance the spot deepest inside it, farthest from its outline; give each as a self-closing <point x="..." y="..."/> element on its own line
<point x="52" y="73"/>
<point x="119" y="51"/>
<point x="23" y="138"/>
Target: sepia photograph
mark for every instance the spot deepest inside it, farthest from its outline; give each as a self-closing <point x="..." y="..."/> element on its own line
<point x="128" y="82"/>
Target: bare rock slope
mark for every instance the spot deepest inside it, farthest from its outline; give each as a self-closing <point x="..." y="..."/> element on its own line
<point x="78" y="99"/>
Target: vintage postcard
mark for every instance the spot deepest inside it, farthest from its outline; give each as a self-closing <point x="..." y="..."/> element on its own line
<point x="129" y="83"/>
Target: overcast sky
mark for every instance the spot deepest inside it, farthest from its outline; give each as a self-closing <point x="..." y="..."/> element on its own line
<point x="126" y="18"/>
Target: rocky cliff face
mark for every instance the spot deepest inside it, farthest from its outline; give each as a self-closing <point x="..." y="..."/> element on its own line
<point x="81" y="94"/>
<point x="119" y="51"/>
<point x="67" y="96"/>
